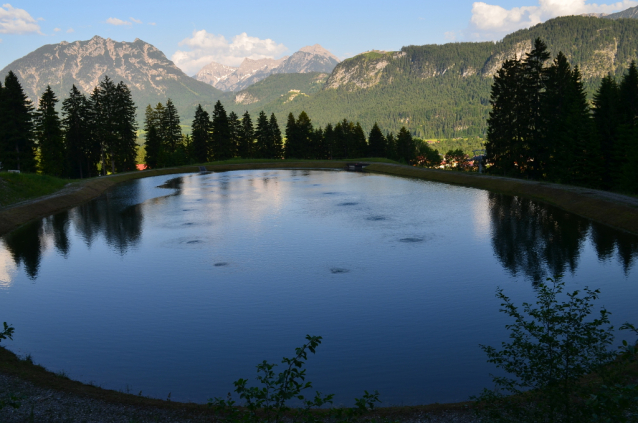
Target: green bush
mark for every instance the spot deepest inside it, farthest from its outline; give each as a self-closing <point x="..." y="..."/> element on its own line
<point x="268" y="403"/>
<point x="562" y="365"/>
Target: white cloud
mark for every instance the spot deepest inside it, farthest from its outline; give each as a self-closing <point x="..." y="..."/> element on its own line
<point x="450" y="35"/>
<point x="492" y="21"/>
<point x="56" y="30"/>
<point x="152" y="23"/>
<point x="137" y="21"/>
<point x="70" y="30"/>
<point x="16" y="21"/>
<point x="205" y="48"/>
<point x="117" y="22"/>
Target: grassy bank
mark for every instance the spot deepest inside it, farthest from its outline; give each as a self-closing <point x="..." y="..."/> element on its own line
<point x="17" y="187"/>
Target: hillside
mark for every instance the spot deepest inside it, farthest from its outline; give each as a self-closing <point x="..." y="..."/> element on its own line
<point x="278" y="88"/>
<point x="151" y="77"/>
<point x="442" y="91"/>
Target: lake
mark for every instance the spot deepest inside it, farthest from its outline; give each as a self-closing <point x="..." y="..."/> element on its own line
<point x="182" y="284"/>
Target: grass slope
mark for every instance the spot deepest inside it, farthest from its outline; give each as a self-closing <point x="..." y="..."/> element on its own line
<point x="16" y="187"/>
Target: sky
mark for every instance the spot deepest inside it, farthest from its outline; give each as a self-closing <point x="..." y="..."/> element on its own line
<point x="195" y="33"/>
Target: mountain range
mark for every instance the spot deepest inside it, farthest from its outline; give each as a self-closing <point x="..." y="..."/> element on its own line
<point x="436" y="91"/>
<point x="227" y="78"/>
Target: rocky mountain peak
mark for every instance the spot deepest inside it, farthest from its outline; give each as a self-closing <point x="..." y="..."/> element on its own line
<point x="309" y="59"/>
<point x="318" y="50"/>
<point x="147" y="72"/>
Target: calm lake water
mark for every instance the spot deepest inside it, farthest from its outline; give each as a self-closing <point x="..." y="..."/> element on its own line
<point x="182" y="284"/>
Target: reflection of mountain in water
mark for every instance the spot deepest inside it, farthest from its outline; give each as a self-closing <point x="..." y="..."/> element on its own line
<point x="117" y="215"/>
<point x="540" y="241"/>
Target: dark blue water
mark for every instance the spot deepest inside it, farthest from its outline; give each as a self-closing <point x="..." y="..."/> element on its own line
<point x="183" y="284"/>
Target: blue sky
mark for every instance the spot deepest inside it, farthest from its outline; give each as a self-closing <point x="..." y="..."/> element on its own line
<point x="193" y="33"/>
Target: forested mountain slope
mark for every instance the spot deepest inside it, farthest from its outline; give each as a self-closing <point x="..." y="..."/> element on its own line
<point x="442" y="91"/>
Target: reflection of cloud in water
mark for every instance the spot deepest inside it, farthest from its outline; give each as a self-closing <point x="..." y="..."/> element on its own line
<point x="481" y="215"/>
<point x="7" y="268"/>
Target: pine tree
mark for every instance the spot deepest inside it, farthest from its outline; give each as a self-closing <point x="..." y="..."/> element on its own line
<point x="504" y="143"/>
<point x="153" y="142"/>
<point x="587" y="158"/>
<point x="328" y="142"/>
<point x="318" y="143"/>
<point x="392" y="146"/>
<point x="626" y="149"/>
<point x="291" y="149"/>
<point x="125" y="111"/>
<point x="359" y="143"/>
<point x="48" y="133"/>
<point x="234" y="124"/>
<point x="305" y="138"/>
<point x="262" y="135"/>
<point x="377" y="142"/>
<point x="221" y="141"/>
<point x="247" y="137"/>
<point x="17" y="149"/>
<point x="534" y="79"/>
<point x="171" y="131"/>
<point x="201" y="134"/>
<point x="406" y="149"/>
<point x="276" y="147"/>
<point x="83" y="152"/>
<point x="606" y="118"/>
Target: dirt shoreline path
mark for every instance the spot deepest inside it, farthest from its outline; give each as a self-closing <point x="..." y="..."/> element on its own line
<point x="615" y="210"/>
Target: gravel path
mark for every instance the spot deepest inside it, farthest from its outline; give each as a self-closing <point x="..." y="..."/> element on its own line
<point x="46" y="405"/>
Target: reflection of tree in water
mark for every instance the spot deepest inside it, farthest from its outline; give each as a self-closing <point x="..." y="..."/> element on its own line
<point x="25" y="245"/>
<point x="607" y="241"/>
<point x="116" y="216"/>
<point x="535" y="239"/>
<point x="540" y="241"/>
<point x="59" y="223"/>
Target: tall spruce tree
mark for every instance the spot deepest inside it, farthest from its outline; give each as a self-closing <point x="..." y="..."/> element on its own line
<point x="275" y="144"/>
<point x="221" y="140"/>
<point x="292" y="149"/>
<point x="377" y="142"/>
<point x="48" y="133"/>
<point x="171" y="131"/>
<point x="305" y="134"/>
<point x="262" y="136"/>
<point x="125" y="111"/>
<point x="17" y="148"/>
<point x="328" y="141"/>
<point x="406" y="148"/>
<point x="83" y="152"/>
<point x="534" y="82"/>
<point x="587" y="158"/>
<point x="153" y="140"/>
<point x="200" y="131"/>
<point x="626" y="149"/>
<point x="359" y="143"/>
<point x="247" y="137"/>
<point x="606" y="119"/>
<point x="318" y="144"/>
<point x="234" y="125"/>
<point x="505" y="124"/>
